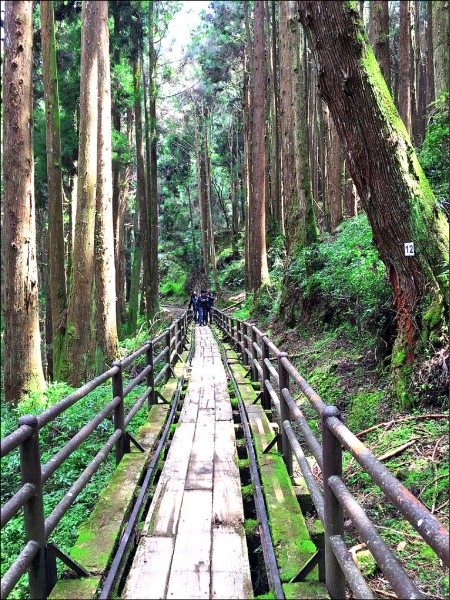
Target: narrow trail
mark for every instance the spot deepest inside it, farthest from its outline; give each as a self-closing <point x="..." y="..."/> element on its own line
<point x="193" y="543"/>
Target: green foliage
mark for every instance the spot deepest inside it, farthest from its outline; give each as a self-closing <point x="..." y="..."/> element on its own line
<point x="364" y="410"/>
<point x="345" y="272"/>
<point x="434" y="154"/>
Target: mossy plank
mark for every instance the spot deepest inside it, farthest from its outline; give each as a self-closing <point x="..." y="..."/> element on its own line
<point x="98" y="535"/>
<point x="304" y="589"/>
<point x="75" y="589"/>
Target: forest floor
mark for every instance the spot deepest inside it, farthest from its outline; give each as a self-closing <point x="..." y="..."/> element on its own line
<point x="343" y="369"/>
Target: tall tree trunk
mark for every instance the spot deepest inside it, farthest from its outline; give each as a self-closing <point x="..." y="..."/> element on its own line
<point x="77" y="350"/>
<point x="71" y="229"/>
<point x="22" y="357"/>
<point x="429" y="55"/>
<point x="292" y="218"/>
<point x="209" y="209"/>
<point x="393" y="189"/>
<point x="57" y="275"/>
<point x="201" y="187"/>
<point x="141" y="196"/>
<point x="135" y="274"/>
<point x="275" y="147"/>
<point x="414" y="50"/>
<point x="440" y="47"/>
<point x="105" y="274"/>
<point x="335" y="175"/>
<point x="153" y="300"/>
<point x="257" y="222"/>
<point x="379" y="36"/>
<point x="248" y="146"/>
<point x="120" y="244"/>
<point x="307" y="229"/>
<point x="117" y="118"/>
<point x="404" y="84"/>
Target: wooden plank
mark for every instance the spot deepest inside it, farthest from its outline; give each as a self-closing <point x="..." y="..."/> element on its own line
<point x="200" y="475"/>
<point x="230" y="569"/>
<point x="190" y="573"/>
<point x="149" y="573"/>
<point x="196" y="512"/>
<point x="224" y="441"/>
<point x="163" y="520"/>
<point x="227" y="499"/>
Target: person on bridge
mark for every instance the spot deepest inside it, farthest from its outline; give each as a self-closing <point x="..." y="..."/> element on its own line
<point x="193" y="303"/>
<point x="203" y="303"/>
<point x="209" y="312"/>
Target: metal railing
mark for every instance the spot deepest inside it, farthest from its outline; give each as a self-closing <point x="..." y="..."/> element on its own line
<point x="38" y="555"/>
<point x="335" y="497"/>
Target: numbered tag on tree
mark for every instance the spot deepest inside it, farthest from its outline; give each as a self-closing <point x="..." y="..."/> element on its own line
<point x="409" y="249"/>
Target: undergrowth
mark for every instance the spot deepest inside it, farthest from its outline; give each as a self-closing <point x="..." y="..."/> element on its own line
<point x="52" y="438"/>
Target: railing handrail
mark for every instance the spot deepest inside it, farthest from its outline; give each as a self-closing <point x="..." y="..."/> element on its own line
<point x="335" y="434"/>
<point x="26" y="437"/>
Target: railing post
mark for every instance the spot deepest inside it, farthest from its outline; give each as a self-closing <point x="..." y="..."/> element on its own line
<point x="122" y="445"/>
<point x="285" y="413"/>
<point x="266" y="399"/>
<point x="244" y="344"/>
<point x="150" y="374"/>
<point x="334" y="520"/>
<point x="232" y="333"/>
<point x="30" y="468"/>
<point x="167" y="338"/>
<point x="239" y="338"/>
<point x="255" y="372"/>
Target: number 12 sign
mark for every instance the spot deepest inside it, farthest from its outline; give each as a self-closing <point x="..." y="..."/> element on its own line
<point x="409" y="248"/>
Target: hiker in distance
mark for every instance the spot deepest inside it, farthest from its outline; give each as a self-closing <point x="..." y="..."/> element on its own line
<point x="203" y="304"/>
<point x="193" y="303"/>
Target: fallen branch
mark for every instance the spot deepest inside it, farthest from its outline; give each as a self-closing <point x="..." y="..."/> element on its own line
<point x="441" y="506"/>
<point x="397" y="450"/>
<point x="383" y="593"/>
<point x="412" y="535"/>
<point x="235" y="304"/>
<point x="389" y="423"/>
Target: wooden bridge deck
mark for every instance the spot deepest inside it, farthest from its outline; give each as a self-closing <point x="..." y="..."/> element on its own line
<point x="193" y="542"/>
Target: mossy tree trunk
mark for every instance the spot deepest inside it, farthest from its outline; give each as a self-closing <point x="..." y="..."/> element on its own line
<point x="393" y="189"/>
<point x="22" y="357"/>
<point x="307" y="228"/>
<point x="57" y="275"/>
<point x="105" y="276"/>
<point x="76" y="360"/>
<point x="135" y="279"/>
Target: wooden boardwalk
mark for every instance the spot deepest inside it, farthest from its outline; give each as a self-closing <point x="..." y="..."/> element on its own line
<point x="193" y="542"/>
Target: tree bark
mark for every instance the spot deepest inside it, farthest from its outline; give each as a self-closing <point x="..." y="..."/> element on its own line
<point x="153" y="300"/>
<point x="257" y="228"/>
<point x="440" y="47"/>
<point x="141" y="196"/>
<point x="290" y="201"/>
<point x="404" y="83"/>
<point x="247" y="118"/>
<point x="429" y="55"/>
<point x="201" y="187"/>
<point x="57" y="274"/>
<point x="23" y="372"/>
<point x="393" y="189"/>
<point x="105" y="275"/>
<point x="379" y="36"/>
<point x="209" y="208"/>
<point x="77" y="349"/>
